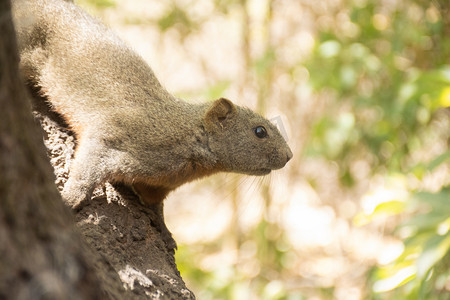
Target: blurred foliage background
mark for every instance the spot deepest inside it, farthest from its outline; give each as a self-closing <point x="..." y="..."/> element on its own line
<point x="362" y="89"/>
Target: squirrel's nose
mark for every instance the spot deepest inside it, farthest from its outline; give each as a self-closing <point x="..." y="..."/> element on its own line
<point x="289" y="155"/>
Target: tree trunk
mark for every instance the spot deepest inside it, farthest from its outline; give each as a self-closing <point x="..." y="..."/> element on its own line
<point x="110" y="249"/>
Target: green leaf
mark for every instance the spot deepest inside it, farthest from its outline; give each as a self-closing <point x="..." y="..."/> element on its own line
<point x="174" y="16"/>
<point x="98" y="4"/>
<point x="385" y="209"/>
<point x="435" y="249"/>
<point x="400" y="277"/>
<point x="217" y="90"/>
<point x="428" y="221"/>
<point x="440" y="201"/>
<point x="390" y="208"/>
<point x="439" y="160"/>
<point x="329" y="49"/>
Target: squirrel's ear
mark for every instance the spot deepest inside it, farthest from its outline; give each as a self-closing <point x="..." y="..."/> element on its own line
<point x="219" y="114"/>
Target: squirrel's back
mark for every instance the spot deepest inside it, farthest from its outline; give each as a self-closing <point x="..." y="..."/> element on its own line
<point x="82" y="66"/>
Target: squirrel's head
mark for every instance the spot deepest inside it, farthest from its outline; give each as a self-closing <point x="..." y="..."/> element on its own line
<point x="243" y="141"/>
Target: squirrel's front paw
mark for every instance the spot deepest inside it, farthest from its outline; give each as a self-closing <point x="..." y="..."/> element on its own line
<point x="75" y="197"/>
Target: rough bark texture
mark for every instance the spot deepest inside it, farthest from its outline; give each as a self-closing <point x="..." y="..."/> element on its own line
<point x="41" y="255"/>
<point x="113" y="252"/>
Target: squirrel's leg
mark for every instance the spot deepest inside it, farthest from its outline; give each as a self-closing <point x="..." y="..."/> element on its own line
<point x="86" y="172"/>
<point x="152" y="197"/>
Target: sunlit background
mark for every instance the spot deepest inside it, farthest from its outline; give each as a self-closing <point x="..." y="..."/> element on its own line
<point x="362" y="89"/>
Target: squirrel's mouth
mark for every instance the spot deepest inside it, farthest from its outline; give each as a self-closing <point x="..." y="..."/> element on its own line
<point x="260" y="172"/>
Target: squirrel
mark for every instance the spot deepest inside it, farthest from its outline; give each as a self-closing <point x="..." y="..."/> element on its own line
<point x="128" y="128"/>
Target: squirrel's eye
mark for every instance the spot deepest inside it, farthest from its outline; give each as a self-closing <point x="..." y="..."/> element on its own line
<point x="260" y="132"/>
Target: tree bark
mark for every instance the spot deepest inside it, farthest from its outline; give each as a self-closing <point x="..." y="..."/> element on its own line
<point x="110" y="249"/>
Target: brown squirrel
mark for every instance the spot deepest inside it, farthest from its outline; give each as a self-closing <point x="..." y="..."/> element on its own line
<point x="129" y="129"/>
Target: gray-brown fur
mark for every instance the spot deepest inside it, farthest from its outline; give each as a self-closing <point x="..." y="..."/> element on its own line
<point x="129" y="129"/>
